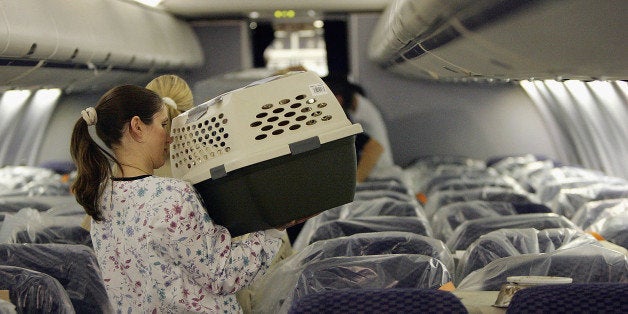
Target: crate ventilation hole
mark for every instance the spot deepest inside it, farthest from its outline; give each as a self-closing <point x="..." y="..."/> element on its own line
<point x="286" y="116"/>
<point x="206" y="139"/>
<point x="200" y="141"/>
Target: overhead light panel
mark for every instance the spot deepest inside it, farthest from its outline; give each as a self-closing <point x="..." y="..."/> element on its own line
<point x="150" y="3"/>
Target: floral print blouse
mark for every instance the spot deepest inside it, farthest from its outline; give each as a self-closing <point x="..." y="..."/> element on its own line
<point x="160" y="252"/>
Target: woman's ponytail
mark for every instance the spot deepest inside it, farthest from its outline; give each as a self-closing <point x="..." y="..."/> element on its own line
<point x="93" y="169"/>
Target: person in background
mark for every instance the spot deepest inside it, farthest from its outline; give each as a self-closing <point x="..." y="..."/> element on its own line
<point x="178" y="96"/>
<point x="369" y="150"/>
<point x="158" y="249"/>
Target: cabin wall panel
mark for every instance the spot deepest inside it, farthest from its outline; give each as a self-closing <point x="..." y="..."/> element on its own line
<point x="56" y="141"/>
<point x="426" y="117"/>
<point x="225" y="48"/>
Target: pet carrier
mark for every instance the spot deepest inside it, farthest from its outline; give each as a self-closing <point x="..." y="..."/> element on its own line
<point x="274" y="151"/>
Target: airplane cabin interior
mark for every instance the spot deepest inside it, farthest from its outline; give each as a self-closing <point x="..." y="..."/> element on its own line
<point x="501" y="185"/>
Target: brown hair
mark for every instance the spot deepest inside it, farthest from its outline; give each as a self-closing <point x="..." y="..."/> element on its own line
<point x="114" y="110"/>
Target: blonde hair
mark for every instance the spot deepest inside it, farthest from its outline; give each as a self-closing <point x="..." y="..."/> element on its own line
<point x="289" y="69"/>
<point x="177" y="89"/>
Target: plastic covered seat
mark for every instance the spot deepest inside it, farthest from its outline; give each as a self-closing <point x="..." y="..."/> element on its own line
<point x="374" y="207"/>
<point x="449" y="217"/>
<point x="471" y="230"/>
<point x="365" y="195"/>
<point x="28" y="181"/>
<point x="613" y="229"/>
<point x="584" y="264"/>
<point x="420" y="171"/>
<point x="274" y="290"/>
<point x="55" y="234"/>
<point x="471" y="181"/>
<point x="361" y="272"/>
<point x="568" y="201"/>
<point x="74" y="266"/>
<point x="590" y="212"/>
<point x="549" y="177"/>
<point x="29" y="225"/>
<point x="550" y="190"/>
<point x="376" y="243"/>
<point x="34" y="292"/>
<point x="11" y="205"/>
<point x="439" y="199"/>
<point x="512" y="242"/>
<point x="522" y="168"/>
<point x="345" y="227"/>
<point x="383" y="301"/>
<point x="571" y="298"/>
<point x="388" y="185"/>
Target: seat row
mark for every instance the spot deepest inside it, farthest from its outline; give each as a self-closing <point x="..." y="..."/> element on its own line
<point x="490" y="223"/>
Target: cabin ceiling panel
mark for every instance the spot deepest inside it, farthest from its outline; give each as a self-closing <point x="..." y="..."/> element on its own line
<point x="196" y="9"/>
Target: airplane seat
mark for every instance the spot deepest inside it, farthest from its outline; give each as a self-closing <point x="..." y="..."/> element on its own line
<point x="450" y="216"/>
<point x="613" y="229"/>
<point x="568" y="201"/>
<point x="384" y="301"/>
<point x="584" y="264"/>
<point x="277" y="284"/>
<point x="440" y="180"/>
<point x="432" y="162"/>
<point x="74" y="266"/>
<point x="511" y="161"/>
<point x="55" y="234"/>
<point x="471" y="230"/>
<point x="12" y="205"/>
<point x="438" y="199"/>
<point x="34" y="292"/>
<point x="593" y="211"/>
<point x="364" y="272"/>
<point x="365" y="195"/>
<point x="55" y="225"/>
<point x="420" y="171"/>
<point x="59" y="166"/>
<point x="361" y="207"/>
<point x="345" y="227"/>
<point x="531" y="208"/>
<point x="513" y="242"/>
<point x="563" y="174"/>
<point x="608" y="297"/>
<point x="550" y="240"/>
<point x="381" y="184"/>
<point x="31" y="181"/>
<point x="377" y="243"/>
<point x="382" y="206"/>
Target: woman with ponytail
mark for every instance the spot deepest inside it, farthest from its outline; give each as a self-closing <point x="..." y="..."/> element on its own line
<point x="157" y="248"/>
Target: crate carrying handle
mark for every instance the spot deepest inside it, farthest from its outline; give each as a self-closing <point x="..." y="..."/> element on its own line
<point x="305" y="145"/>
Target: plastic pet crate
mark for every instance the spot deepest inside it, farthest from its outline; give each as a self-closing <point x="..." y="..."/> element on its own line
<point x="274" y="151"/>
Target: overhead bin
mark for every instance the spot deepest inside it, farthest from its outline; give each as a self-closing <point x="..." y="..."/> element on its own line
<point x="75" y="39"/>
<point x="29" y="36"/>
<point x="503" y="39"/>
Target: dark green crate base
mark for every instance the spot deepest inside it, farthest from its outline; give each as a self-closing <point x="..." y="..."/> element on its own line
<point x="273" y="193"/>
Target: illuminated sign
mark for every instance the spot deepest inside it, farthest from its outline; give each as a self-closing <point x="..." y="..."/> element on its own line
<point x="284" y="14"/>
